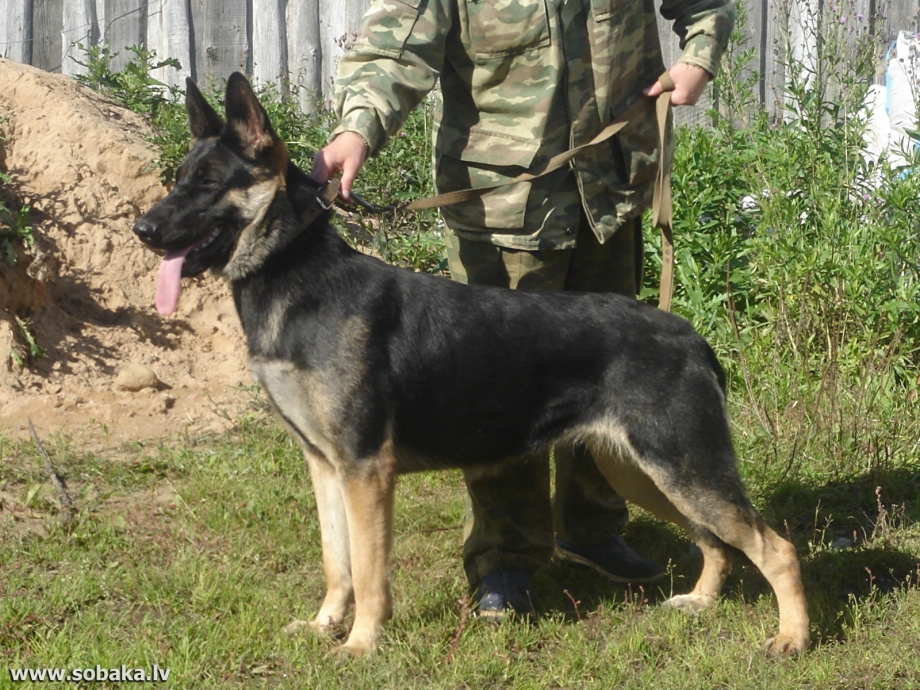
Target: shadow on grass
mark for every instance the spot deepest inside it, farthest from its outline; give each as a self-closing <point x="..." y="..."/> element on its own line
<point x="857" y="540"/>
<point x="861" y="508"/>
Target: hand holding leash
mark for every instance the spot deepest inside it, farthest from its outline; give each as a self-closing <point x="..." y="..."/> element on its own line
<point x="688" y="83"/>
<point x="345" y="154"/>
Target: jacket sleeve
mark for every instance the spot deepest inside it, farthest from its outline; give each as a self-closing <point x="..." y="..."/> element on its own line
<point x="704" y="27"/>
<point x="394" y="63"/>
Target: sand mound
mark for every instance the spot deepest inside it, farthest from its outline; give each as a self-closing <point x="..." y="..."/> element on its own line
<point x="87" y="286"/>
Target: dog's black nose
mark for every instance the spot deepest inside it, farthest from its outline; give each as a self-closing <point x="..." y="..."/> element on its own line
<point x="145" y="230"/>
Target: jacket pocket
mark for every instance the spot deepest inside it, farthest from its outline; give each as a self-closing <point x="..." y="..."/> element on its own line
<point x="476" y="160"/>
<point x="500" y="209"/>
<point x="499" y="28"/>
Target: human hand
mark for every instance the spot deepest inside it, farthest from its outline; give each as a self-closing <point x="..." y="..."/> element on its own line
<point x="689" y="83"/>
<point x="345" y="154"/>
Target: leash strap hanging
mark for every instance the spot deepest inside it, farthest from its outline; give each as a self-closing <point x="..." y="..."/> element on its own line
<point x="662" y="210"/>
<point x="661" y="200"/>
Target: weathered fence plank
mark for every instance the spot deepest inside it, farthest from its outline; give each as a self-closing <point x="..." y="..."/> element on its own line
<point x="16" y="30"/>
<point x="47" y="22"/>
<point x="168" y="34"/>
<point x="100" y="16"/>
<point x="304" y="51"/>
<point x="79" y="28"/>
<point x="125" y="25"/>
<point x="901" y="15"/>
<point x="269" y="44"/>
<point x="338" y="23"/>
<point x="221" y="42"/>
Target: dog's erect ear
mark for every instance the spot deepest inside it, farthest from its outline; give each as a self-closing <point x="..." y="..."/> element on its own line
<point x="246" y="118"/>
<point x="203" y="121"/>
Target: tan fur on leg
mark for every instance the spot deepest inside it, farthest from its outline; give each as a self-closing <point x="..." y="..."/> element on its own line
<point x="637" y="487"/>
<point x="771" y="554"/>
<point x="368" y="491"/>
<point x="333" y="523"/>
<point x="774" y="557"/>
<point x="717" y="564"/>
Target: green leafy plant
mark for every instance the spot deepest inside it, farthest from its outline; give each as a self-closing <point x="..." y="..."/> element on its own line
<point x="135" y="88"/>
<point x="14" y="222"/>
<point x="26" y="349"/>
<point x="14" y="227"/>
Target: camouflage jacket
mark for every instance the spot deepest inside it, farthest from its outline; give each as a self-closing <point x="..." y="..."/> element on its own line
<point x="522" y="80"/>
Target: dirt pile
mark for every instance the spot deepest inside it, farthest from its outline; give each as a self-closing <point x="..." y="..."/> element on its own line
<point x="86" y="288"/>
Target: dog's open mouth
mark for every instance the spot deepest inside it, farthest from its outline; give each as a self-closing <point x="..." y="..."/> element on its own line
<point x="170" y="276"/>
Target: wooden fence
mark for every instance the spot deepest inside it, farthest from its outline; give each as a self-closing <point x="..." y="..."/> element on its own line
<point x="301" y="40"/>
<point x="269" y="40"/>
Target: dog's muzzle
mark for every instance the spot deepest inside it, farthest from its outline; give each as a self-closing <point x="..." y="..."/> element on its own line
<point x="146" y="231"/>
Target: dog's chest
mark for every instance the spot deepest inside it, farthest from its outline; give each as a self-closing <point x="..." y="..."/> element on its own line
<point x="302" y="400"/>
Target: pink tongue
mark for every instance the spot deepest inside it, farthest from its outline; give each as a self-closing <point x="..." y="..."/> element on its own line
<point x="168" y="280"/>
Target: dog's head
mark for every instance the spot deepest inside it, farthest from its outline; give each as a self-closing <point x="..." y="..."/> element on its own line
<point x="215" y="214"/>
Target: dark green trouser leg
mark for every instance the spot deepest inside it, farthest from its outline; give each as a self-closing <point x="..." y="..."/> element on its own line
<point x="509" y="522"/>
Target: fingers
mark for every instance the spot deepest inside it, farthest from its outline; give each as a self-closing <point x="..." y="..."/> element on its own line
<point x="655" y="90"/>
<point x="345" y="154"/>
<point x="349" y="173"/>
<point x="320" y="170"/>
<point x="689" y="84"/>
<point x="682" y="95"/>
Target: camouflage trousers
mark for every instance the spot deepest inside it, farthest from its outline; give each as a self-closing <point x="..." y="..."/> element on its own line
<point x="510" y="519"/>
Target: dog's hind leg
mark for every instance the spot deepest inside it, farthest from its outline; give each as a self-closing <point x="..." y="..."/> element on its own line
<point x="638" y="488"/>
<point x="368" y="490"/>
<point x="776" y="559"/>
<point x="716" y="516"/>
<point x="333" y="522"/>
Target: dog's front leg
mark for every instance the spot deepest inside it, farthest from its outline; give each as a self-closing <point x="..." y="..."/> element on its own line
<point x="333" y="523"/>
<point x="368" y="490"/>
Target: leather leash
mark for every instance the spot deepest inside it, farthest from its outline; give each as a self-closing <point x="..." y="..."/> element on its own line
<point x="661" y="200"/>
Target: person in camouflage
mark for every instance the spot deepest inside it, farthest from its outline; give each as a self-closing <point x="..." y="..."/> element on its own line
<point x="521" y="81"/>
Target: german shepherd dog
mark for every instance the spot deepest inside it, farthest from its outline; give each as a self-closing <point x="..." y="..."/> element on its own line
<point x="376" y="371"/>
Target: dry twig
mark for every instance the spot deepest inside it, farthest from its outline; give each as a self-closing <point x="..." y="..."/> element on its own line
<point x="66" y="502"/>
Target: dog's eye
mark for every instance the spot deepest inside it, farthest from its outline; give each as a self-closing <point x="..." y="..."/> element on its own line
<point x="205" y="179"/>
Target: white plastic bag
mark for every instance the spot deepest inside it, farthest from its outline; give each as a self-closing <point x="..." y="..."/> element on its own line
<point x="902" y="79"/>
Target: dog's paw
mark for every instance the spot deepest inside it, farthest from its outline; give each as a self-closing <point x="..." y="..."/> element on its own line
<point x="354" y="649"/>
<point x="296" y="627"/>
<point x="690" y="603"/>
<point x="326" y="629"/>
<point x="785" y="645"/>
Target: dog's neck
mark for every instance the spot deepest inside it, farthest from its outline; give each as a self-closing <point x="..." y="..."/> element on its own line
<point x="297" y="264"/>
<point x="287" y="211"/>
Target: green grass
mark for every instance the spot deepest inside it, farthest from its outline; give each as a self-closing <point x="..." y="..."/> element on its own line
<point x="194" y="554"/>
